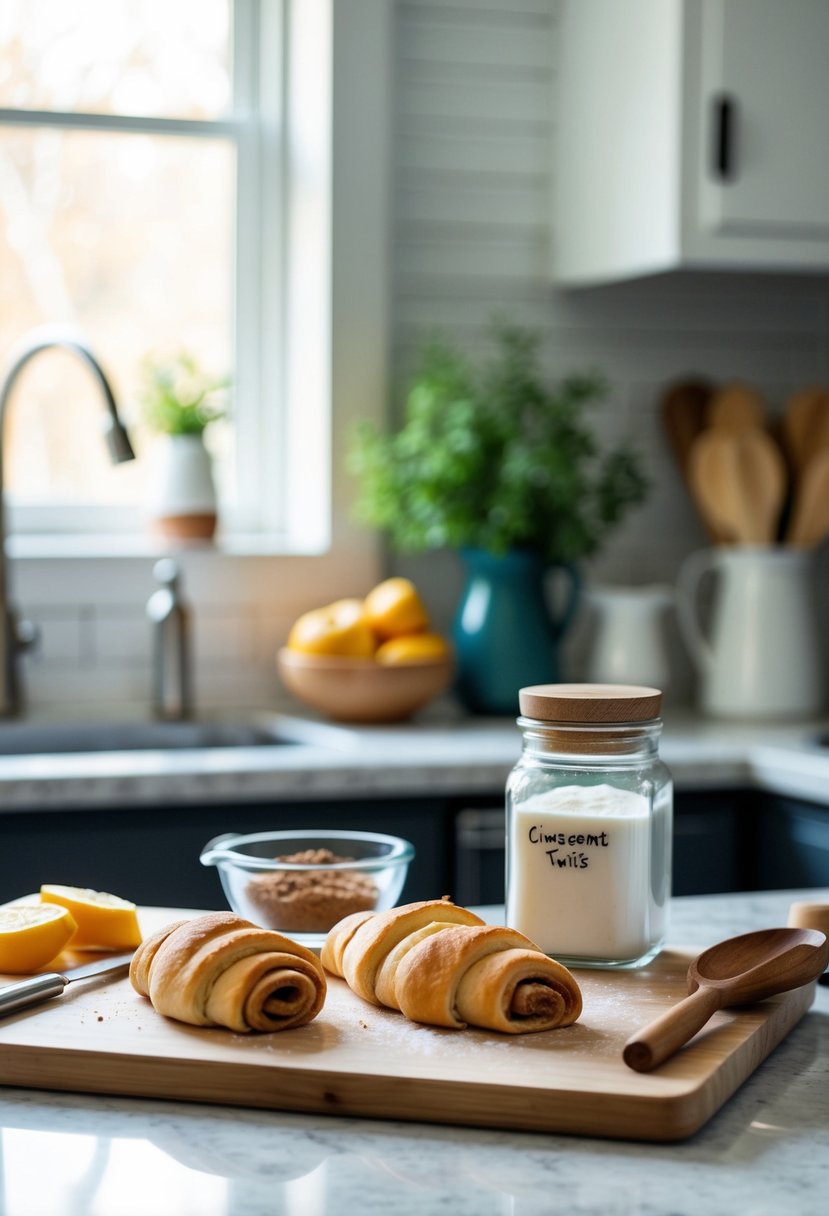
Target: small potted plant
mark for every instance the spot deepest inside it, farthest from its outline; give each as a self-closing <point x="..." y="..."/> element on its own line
<point x="493" y="463"/>
<point x="179" y="402"/>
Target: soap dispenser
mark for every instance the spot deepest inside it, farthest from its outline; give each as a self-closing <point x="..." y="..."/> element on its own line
<point x="170" y="617"/>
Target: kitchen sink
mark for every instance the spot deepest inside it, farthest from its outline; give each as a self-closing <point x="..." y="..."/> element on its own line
<point x="42" y="738"/>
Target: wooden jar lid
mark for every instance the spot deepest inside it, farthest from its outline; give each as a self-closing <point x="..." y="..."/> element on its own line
<point x="599" y="704"/>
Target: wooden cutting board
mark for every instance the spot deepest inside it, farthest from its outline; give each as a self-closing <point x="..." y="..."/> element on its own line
<point x="354" y="1059"/>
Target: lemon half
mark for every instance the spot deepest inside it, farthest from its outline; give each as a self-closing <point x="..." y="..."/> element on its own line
<point x="105" y="922"/>
<point x="31" y="935"/>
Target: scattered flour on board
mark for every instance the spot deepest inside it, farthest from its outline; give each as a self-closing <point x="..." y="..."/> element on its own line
<point x="395" y="1030"/>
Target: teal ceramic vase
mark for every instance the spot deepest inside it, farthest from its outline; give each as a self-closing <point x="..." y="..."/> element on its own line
<point x="505" y="635"/>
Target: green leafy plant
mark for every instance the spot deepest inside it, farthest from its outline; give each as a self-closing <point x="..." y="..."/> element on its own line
<point x="178" y="398"/>
<point x="491" y="458"/>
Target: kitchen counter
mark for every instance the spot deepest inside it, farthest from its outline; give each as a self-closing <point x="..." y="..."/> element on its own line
<point x="436" y="754"/>
<point x="765" y="1152"/>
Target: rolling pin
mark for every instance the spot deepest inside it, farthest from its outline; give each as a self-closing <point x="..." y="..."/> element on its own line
<point x="803" y="915"/>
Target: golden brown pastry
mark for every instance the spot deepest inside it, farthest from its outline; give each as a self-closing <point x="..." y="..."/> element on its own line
<point x="442" y="965"/>
<point x="221" y="970"/>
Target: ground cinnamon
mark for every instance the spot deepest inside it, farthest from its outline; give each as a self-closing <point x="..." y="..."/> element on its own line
<point x="310" y="901"/>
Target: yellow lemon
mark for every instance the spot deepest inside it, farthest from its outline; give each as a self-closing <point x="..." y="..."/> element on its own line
<point x="104" y="921"/>
<point x="394" y="607"/>
<point x="413" y="648"/>
<point x="340" y="628"/>
<point x="31" y="935"/>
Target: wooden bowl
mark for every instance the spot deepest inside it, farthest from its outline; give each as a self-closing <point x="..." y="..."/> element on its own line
<point x="361" y="690"/>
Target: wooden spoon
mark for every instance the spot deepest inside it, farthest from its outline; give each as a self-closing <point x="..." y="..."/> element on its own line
<point x="809" y="522"/>
<point x="736" y="408"/>
<point x="739" y="484"/>
<point x="683" y="409"/>
<point x="735" y="972"/>
<point x="805" y="425"/>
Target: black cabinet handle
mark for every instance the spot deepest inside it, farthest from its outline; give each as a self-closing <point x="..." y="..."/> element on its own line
<point x="725" y="137"/>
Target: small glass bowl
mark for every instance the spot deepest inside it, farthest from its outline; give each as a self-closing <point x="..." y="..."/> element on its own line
<point x="301" y="883"/>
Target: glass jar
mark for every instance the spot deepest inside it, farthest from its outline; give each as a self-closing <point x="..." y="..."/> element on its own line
<point x="590" y="825"/>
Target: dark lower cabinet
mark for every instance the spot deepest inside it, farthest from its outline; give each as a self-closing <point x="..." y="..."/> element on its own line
<point x="715" y="841"/>
<point x="793" y="849"/>
<point x="480" y="857"/>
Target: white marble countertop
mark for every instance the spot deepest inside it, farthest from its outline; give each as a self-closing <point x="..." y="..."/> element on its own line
<point x="766" y="1152"/>
<point x="432" y="755"/>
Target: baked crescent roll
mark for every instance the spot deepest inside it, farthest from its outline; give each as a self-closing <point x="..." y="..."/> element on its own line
<point x="221" y="970"/>
<point x="442" y="965"/>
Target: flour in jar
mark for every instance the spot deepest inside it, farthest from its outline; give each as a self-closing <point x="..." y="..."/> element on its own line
<point x="580" y="872"/>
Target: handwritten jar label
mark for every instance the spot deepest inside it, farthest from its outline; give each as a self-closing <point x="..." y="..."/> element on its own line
<point x="580" y="870"/>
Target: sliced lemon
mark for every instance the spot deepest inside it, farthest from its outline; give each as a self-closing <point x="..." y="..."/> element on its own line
<point x="105" y="922"/>
<point x="31" y="935"/>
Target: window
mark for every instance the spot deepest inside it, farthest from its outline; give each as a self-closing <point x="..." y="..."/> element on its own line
<point x="139" y="202"/>
<point x="292" y="140"/>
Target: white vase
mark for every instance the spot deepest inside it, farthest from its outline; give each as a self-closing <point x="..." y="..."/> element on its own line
<point x="182" y="500"/>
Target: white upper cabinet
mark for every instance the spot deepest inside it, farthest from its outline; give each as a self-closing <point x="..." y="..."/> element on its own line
<point x="691" y="134"/>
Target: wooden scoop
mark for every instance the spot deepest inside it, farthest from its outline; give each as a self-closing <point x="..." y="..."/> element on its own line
<point x="735" y="972"/>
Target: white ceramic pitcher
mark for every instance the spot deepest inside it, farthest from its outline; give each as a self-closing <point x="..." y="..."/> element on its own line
<point x="759" y="654"/>
<point x="629" y="645"/>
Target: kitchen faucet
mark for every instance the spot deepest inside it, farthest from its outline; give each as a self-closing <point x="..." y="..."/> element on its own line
<point x="17" y="636"/>
<point x="170" y="617"/>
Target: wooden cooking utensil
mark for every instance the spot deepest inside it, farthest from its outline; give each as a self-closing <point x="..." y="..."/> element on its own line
<point x="809" y="522"/>
<point x="739" y="484"/>
<point x="805" y="425"/>
<point x="735" y="972"/>
<point x="683" y="409"/>
<point x="736" y="407"/>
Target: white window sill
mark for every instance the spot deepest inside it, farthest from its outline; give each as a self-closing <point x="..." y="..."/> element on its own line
<point x="41" y="546"/>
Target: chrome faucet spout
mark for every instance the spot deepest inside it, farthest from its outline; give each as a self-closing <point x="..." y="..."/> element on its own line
<point x="16" y="636"/>
<point x="47" y="337"/>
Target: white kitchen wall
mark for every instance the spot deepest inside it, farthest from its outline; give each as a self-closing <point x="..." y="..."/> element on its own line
<point x="474" y="164"/>
<point x="96" y="655"/>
